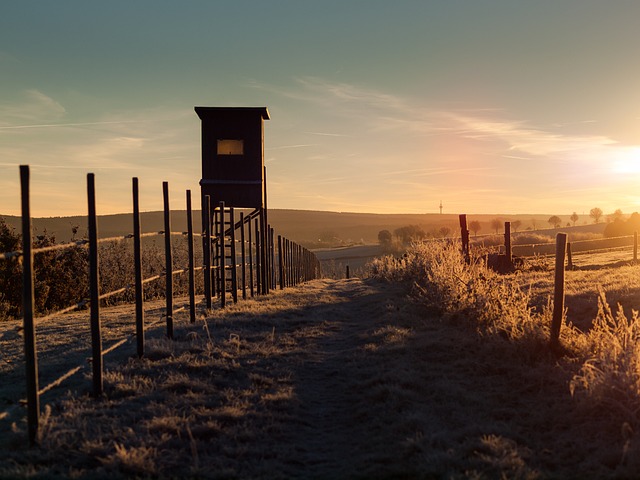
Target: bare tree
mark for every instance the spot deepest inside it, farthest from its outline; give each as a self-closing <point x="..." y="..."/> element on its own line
<point x="596" y="214"/>
<point x="516" y="224"/>
<point x="574" y="218"/>
<point x="496" y="223"/>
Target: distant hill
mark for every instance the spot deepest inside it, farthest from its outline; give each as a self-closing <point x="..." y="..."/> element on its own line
<point x="303" y="226"/>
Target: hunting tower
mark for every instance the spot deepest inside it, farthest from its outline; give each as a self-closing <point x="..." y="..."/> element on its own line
<point x="233" y="155"/>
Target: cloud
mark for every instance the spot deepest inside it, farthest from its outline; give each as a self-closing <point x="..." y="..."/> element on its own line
<point x="32" y="107"/>
<point x="44" y="125"/>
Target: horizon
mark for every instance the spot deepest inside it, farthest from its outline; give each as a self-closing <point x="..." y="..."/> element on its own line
<point x="505" y="216"/>
<point x="391" y="108"/>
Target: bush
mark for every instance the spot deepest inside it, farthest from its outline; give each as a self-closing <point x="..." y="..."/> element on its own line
<point x="494" y="303"/>
<point x="610" y="373"/>
<point x="61" y="276"/>
<point x="10" y="280"/>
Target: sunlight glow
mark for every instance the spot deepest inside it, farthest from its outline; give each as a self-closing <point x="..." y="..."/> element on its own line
<point x="627" y="161"/>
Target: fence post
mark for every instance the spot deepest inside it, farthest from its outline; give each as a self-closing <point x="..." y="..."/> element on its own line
<point x="569" y="258"/>
<point x="234" y="263"/>
<point x="94" y="288"/>
<point x="348" y="275"/>
<point x="251" y="289"/>
<point x="507" y="244"/>
<point x="215" y="252"/>
<point x="30" y="352"/>
<point x="280" y="263"/>
<point x="558" y="293"/>
<point x="464" y="235"/>
<point x="222" y="268"/>
<point x="272" y="258"/>
<point x="264" y="268"/>
<point x="258" y="257"/>
<point x="137" y="266"/>
<point x="168" y="259"/>
<point x="192" y="275"/>
<point x="243" y="258"/>
<point x="206" y="216"/>
<point x="635" y="246"/>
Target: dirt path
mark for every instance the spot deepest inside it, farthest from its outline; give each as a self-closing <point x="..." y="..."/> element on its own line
<point x="334" y="379"/>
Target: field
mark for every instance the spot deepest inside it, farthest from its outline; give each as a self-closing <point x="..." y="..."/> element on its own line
<point x="358" y="378"/>
<point x="310" y="228"/>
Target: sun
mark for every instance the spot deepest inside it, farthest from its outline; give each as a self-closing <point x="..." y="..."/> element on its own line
<point x="627" y="161"/>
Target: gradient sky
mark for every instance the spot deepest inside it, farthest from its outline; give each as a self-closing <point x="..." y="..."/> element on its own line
<point x="495" y="106"/>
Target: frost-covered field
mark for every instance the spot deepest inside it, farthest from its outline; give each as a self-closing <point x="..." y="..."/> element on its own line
<point x="333" y="379"/>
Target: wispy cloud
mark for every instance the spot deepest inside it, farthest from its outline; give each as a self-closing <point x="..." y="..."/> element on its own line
<point x="302" y="145"/>
<point x="49" y="125"/>
<point x="31" y="107"/>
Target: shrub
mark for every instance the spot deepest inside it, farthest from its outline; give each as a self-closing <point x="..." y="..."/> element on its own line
<point x="61" y="276"/>
<point x="442" y="279"/>
<point x="610" y="373"/>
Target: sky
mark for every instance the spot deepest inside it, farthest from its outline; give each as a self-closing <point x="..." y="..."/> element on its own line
<point x="488" y="106"/>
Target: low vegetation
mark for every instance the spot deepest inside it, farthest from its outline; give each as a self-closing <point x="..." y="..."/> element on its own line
<point x="61" y="276"/>
<point x="602" y="357"/>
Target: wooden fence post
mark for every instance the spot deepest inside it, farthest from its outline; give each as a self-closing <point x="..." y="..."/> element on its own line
<point x="222" y="268"/>
<point x="348" y="275"/>
<point x="569" y="257"/>
<point x="280" y="262"/>
<point x="464" y="235"/>
<point x="168" y="255"/>
<point x="635" y="246"/>
<point x="206" y="220"/>
<point x="234" y="262"/>
<point x="251" y="250"/>
<point x="192" y="273"/>
<point x="507" y="244"/>
<point x="30" y="352"/>
<point x="94" y="288"/>
<point x="558" y="293"/>
<point x="243" y="258"/>
<point x="264" y="268"/>
<point x="137" y="266"/>
<point x="272" y="258"/>
<point x="258" y="257"/>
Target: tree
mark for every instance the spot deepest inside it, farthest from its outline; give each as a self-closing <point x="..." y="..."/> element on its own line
<point x="555" y="221"/>
<point x="474" y="226"/>
<point x="516" y="224"/>
<point x="409" y="234"/>
<point x="574" y="218"/>
<point x="596" y="214"/>
<point x="617" y="215"/>
<point x="444" y="231"/>
<point x="385" y="238"/>
<point x="496" y="223"/>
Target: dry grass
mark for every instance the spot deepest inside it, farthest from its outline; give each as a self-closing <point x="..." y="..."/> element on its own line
<point x="353" y="379"/>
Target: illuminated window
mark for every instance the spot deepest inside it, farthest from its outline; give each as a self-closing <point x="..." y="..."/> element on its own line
<point x="230" y="147"/>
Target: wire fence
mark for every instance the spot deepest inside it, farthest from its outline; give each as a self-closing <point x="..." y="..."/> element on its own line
<point x="259" y="265"/>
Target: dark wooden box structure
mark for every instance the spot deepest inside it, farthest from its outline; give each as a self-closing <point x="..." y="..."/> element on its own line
<point x="233" y="155"/>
